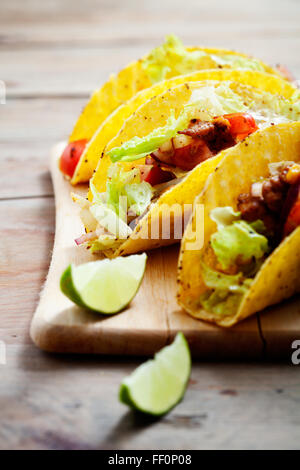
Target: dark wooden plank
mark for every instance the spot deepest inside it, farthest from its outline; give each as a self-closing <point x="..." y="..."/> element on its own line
<point x="61" y="402"/>
<point x="26" y="232"/>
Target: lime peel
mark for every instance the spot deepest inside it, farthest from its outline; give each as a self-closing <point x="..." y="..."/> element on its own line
<point x="159" y="384"/>
<point x="105" y="286"/>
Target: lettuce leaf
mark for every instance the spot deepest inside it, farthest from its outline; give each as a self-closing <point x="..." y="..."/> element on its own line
<point x="170" y="58"/>
<point x="224" y="216"/>
<point x="238" y="62"/>
<point x="209" y="101"/>
<point x="117" y="180"/>
<point x="108" y="220"/>
<point x="225" y="291"/>
<point x="236" y="239"/>
<point x="139" y="196"/>
<point x="139" y="147"/>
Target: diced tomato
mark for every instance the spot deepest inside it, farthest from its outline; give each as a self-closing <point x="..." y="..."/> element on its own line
<point x="293" y="219"/>
<point x="191" y="155"/>
<point x="241" y="125"/>
<point x="71" y="155"/>
<point x="156" y="175"/>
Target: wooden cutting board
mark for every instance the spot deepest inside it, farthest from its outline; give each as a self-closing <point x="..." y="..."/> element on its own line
<point x="153" y="317"/>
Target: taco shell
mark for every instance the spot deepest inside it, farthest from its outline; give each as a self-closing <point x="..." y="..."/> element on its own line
<point x="129" y="81"/>
<point x="151" y="115"/>
<point x="110" y="125"/>
<point x="279" y="276"/>
<point x="155" y="112"/>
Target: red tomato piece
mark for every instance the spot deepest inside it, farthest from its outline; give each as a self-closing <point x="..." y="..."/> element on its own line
<point x="241" y="124"/>
<point x="191" y="155"/>
<point x="293" y="219"/>
<point x="70" y="156"/>
<point x="155" y="175"/>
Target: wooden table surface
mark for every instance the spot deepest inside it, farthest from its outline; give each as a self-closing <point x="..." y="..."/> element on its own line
<point x="52" y="54"/>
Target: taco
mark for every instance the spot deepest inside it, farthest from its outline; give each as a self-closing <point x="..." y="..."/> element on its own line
<point x="167" y="61"/>
<point x="162" y="157"/>
<point x="249" y="257"/>
<point x="94" y="150"/>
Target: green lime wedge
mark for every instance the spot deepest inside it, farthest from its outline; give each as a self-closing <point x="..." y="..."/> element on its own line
<point x="159" y="384"/>
<point x="105" y="286"/>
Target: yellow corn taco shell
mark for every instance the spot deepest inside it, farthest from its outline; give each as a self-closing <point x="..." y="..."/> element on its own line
<point x="155" y="112"/>
<point x="148" y="117"/>
<point x="130" y="80"/>
<point x="112" y="124"/>
<point x="279" y="276"/>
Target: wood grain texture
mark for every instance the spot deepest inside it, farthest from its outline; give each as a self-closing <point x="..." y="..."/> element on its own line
<point x="51" y="401"/>
<point x="28" y="128"/>
<point x="26" y="241"/>
<point x="63" y="402"/>
<point x="71" y="48"/>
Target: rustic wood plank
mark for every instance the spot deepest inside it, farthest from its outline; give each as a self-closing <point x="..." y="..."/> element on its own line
<point x="28" y="128"/>
<point x="38" y="120"/>
<point x="26" y="232"/>
<point x="31" y="73"/>
<point x="24" y="170"/>
<point x="61" y="402"/>
<point x="84" y="45"/>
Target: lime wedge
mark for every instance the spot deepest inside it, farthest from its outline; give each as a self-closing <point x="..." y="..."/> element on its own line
<point x="159" y="384"/>
<point x="105" y="286"/>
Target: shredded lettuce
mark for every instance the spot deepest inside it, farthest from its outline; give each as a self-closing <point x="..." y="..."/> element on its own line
<point x="172" y="59"/>
<point x="238" y="62"/>
<point x="139" y="196"/>
<point x="225" y="291"/>
<point x="209" y="101"/>
<point x="117" y="180"/>
<point x="104" y="243"/>
<point x="108" y="220"/>
<point x="236" y="240"/>
<point x="224" y="216"/>
<point x="124" y="192"/>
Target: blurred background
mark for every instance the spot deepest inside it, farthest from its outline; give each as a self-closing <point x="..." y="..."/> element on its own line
<point x="69" y="46"/>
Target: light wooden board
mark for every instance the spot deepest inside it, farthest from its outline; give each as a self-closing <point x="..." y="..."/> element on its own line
<point x="153" y="317"/>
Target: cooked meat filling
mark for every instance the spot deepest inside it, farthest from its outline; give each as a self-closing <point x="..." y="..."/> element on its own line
<point x="272" y="199"/>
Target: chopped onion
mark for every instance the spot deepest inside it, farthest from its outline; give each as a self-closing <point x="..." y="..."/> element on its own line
<point x="182" y="140"/>
<point x="85" y="238"/>
<point x="256" y="189"/>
